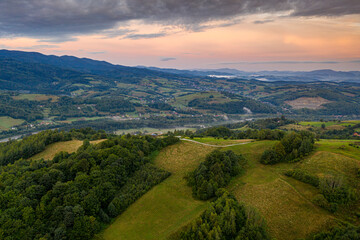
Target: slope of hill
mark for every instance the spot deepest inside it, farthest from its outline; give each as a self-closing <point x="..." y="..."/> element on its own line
<point x="285" y="203"/>
<point x="168" y="206"/>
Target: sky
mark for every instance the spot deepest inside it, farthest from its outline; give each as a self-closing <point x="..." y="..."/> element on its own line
<point x="249" y="35"/>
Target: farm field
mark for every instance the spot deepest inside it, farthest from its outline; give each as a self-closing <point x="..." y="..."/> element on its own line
<point x="8" y="122"/>
<point x="36" y="97"/>
<point x="318" y="125"/>
<point x="307" y="102"/>
<point x="330" y="123"/>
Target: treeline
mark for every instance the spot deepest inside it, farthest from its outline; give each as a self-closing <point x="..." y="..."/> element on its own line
<point x="161" y="106"/>
<point x="334" y="191"/>
<point x="33" y="144"/>
<point x="29" y="146"/>
<point x="75" y="195"/>
<point x="225" y="219"/>
<point x="347" y="133"/>
<point x="270" y="123"/>
<point x="214" y="173"/>
<point x="338" y="233"/>
<point x="142" y="181"/>
<point x="291" y="148"/>
<point x="224" y="132"/>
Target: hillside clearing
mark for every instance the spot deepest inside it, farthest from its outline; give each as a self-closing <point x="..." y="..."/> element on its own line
<point x="68" y="146"/>
<point x="8" y="122"/>
<point x="36" y="97"/>
<point x="308" y="102"/>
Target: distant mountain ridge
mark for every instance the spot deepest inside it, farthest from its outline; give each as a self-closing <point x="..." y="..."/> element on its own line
<point x="301" y="76"/>
<point x="36" y="71"/>
<point x="84" y="65"/>
<point x="119" y="72"/>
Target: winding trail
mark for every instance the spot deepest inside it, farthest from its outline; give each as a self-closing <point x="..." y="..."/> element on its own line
<point x="210" y="145"/>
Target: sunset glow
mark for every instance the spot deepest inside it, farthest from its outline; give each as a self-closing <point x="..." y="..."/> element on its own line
<point x="265" y="41"/>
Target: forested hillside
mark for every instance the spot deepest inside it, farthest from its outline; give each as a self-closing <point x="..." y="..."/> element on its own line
<point x="75" y="195"/>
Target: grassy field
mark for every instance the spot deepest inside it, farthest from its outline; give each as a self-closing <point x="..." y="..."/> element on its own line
<point x="69" y="120"/>
<point x="52" y="149"/>
<point x="220" y="142"/>
<point x="169" y="205"/>
<point x="284" y="202"/>
<point x="295" y="127"/>
<point x="36" y="97"/>
<point x="8" y="122"/>
<point x="339" y="147"/>
<point x="330" y="123"/>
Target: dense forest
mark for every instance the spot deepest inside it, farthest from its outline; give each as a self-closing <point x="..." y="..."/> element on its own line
<point x="339" y="233"/>
<point x="292" y="147"/>
<point x="226" y="219"/>
<point x="75" y="195"/>
<point x="214" y="173"/>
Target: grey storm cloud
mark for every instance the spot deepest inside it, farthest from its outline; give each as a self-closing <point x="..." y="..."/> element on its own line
<point x="142" y="36"/>
<point x="57" y="18"/>
<point x="166" y="59"/>
<point x="263" y="21"/>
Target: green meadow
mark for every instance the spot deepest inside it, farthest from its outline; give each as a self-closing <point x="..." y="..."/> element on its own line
<point x="7" y="122"/>
<point x="285" y="203"/>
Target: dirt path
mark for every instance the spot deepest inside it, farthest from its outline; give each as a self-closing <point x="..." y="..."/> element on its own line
<point x="210" y="145"/>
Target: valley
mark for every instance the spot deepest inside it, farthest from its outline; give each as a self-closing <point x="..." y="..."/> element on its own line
<point x="41" y="92"/>
<point x="179" y="120"/>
